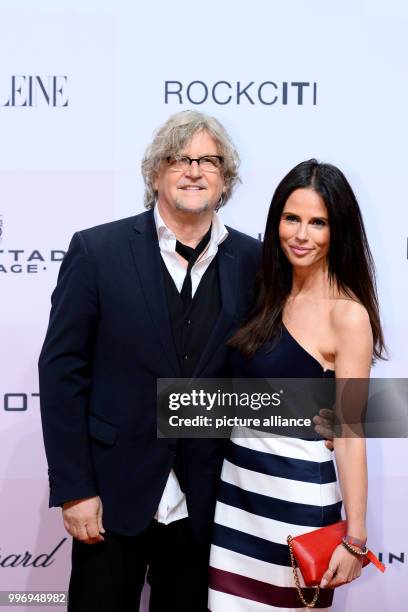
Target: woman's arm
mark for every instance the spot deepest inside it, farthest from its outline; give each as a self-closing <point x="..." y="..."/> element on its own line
<point x="354" y="347"/>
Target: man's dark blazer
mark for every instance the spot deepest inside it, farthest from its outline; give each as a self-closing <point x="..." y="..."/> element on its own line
<point x="108" y="340"/>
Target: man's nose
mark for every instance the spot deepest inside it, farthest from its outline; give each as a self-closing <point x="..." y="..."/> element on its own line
<point x="194" y="169"/>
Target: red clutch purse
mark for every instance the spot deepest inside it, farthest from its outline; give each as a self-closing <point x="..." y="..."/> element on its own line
<point x="311" y="553"/>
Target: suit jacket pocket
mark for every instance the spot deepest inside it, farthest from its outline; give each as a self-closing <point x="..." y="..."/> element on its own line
<point x="101" y="430"/>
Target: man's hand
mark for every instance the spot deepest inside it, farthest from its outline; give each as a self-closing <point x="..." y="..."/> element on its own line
<point x="324" y="425"/>
<point x="83" y="519"/>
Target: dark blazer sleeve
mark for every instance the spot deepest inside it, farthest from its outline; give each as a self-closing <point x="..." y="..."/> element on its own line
<point x="65" y="376"/>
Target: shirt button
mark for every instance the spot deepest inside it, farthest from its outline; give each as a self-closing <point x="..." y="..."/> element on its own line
<point x="185" y="357"/>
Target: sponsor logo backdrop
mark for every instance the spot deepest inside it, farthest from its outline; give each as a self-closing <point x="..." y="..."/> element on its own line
<point x="81" y="89"/>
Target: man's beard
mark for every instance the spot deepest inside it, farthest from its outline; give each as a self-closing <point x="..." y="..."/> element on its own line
<point x="197" y="211"/>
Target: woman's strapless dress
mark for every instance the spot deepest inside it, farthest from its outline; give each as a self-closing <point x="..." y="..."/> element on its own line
<point x="270" y="487"/>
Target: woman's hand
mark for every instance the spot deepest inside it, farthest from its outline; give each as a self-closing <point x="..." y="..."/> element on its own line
<point x="343" y="567"/>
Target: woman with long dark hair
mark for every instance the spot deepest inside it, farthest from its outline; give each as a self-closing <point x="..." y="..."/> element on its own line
<point x="315" y="316"/>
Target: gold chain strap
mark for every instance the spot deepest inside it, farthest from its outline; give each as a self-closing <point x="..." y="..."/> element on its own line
<point x="297" y="581"/>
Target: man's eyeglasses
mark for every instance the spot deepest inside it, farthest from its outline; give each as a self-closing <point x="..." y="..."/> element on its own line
<point x="207" y="163"/>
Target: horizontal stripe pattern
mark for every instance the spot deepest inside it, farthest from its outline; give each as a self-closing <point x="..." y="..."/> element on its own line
<point x="279" y="509"/>
<point x="226" y="602"/>
<point x="231" y="561"/>
<point x="298" y="492"/>
<point x="313" y="450"/>
<point x="231" y="603"/>
<point x="262" y="527"/>
<point x="270" y="488"/>
<point x="252" y="546"/>
<point x="283" y="467"/>
<point x="269" y="594"/>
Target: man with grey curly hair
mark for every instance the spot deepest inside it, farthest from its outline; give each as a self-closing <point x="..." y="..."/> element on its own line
<point x="172" y="137"/>
<point x="153" y="296"/>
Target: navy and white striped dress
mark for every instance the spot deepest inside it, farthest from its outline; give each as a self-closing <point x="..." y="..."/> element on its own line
<point x="270" y="488"/>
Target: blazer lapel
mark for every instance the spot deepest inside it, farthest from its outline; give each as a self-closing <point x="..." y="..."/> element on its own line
<point x="147" y="259"/>
<point x="228" y="278"/>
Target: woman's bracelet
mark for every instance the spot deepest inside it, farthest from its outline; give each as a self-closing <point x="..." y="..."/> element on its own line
<point x="356" y="541"/>
<point x="357" y="552"/>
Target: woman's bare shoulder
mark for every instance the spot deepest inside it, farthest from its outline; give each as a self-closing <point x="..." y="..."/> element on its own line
<point x="348" y="316"/>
